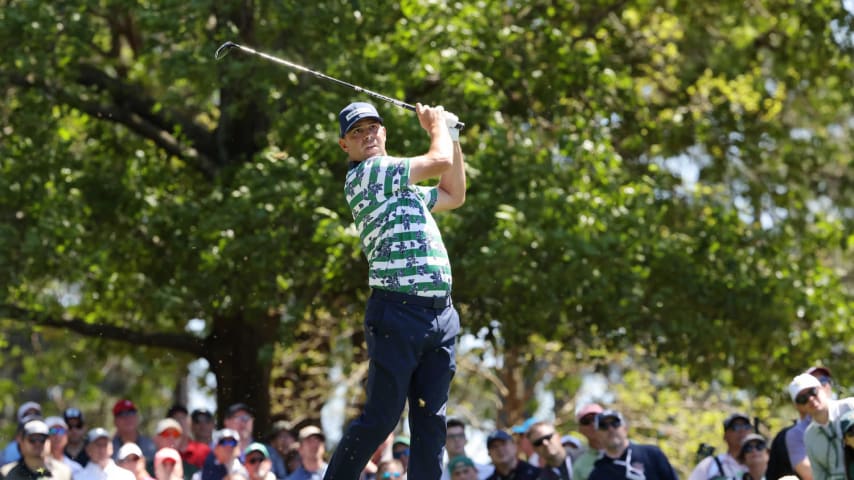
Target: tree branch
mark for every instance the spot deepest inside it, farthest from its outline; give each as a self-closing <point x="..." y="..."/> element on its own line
<point x="148" y="125"/>
<point x="171" y="341"/>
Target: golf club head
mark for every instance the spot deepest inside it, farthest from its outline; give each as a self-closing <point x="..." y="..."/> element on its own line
<point x="224" y="49"/>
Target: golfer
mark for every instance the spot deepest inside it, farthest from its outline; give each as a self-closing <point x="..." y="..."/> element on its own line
<point x="410" y="322"/>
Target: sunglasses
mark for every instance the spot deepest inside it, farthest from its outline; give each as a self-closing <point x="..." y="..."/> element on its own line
<point x="171" y="433"/>
<point x="587" y="419"/>
<point x="168" y="462"/>
<point x="754" y="447"/>
<point x="391" y="474"/>
<point x="400" y="453"/>
<point x="57" y="431"/>
<point x="539" y="441"/>
<point x="126" y="413"/>
<point x="228" y="442"/>
<point x="36" y="439"/>
<point x="605" y="425"/>
<point x="75" y="426"/>
<point x="254" y="460"/>
<point x="803" y="398"/>
<point x="129" y="458"/>
<point x="739" y="427"/>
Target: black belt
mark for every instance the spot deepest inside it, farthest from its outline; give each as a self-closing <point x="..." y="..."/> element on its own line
<point x="407" y="299"/>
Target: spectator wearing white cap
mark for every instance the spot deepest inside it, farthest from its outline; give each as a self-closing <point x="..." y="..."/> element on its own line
<point x="31" y="437"/>
<point x="58" y="435"/>
<point x="793" y="458"/>
<point x="586" y="417"/>
<point x="168" y="434"/>
<point x="168" y="464"/>
<point x="10" y="453"/>
<point x="823" y="437"/>
<point x="224" y="459"/>
<point x="101" y="465"/>
<point x="736" y="429"/>
<point x="130" y="458"/>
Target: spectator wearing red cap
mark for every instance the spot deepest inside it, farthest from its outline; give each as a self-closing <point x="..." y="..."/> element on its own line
<point x="586" y="416"/>
<point x="126" y="418"/>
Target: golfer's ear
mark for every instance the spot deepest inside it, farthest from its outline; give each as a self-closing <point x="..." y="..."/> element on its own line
<point x="342" y="144"/>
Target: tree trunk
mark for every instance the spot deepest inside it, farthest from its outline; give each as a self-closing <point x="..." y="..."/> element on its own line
<point x="236" y="351"/>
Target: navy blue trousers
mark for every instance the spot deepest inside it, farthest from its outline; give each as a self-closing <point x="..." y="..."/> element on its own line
<point x="411" y="350"/>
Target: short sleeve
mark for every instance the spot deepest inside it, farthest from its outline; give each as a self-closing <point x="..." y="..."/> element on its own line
<point x="430" y="195"/>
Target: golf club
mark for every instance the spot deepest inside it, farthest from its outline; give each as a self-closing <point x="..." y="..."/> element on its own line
<point x="227" y="46"/>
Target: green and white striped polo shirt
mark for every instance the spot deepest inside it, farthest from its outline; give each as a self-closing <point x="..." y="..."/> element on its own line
<point x="400" y="238"/>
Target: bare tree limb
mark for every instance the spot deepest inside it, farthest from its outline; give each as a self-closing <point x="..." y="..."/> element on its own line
<point x="171" y="341"/>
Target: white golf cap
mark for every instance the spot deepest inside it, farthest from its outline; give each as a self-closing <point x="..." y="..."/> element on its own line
<point x="801" y="383"/>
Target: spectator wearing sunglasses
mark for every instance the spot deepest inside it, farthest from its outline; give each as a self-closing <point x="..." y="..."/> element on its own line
<point x="754" y="455"/>
<point x="556" y="464"/>
<point x="586" y="418"/>
<point x="624" y="459"/>
<point x="400" y="450"/>
<point x="823" y="437"/>
<point x="736" y="429"/>
<point x="505" y="457"/>
<point x="26" y="410"/>
<point x="32" y="461"/>
<point x="168" y="434"/>
<point x="58" y="436"/>
<point x="76" y="447"/>
<point x="126" y="418"/>
<point x="257" y="462"/>
<point x="224" y="459"/>
<point x="796" y="450"/>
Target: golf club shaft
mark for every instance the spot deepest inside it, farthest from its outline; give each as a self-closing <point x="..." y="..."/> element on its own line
<point x="225" y="47"/>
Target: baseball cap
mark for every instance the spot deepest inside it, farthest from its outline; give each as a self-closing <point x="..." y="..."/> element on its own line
<point x="70" y="413"/>
<point x="35" y="427"/>
<point x="524" y="426"/>
<point x="232" y="410"/>
<point x="97" y="433"/>
<point x="728" y="421"/>
<point x="819" y="370"/>
<point x="571" y="441"/>
<point x="166" y="424"/>
<point x="802" y="382"/>
<point x="127" y="450"/>
<point x="310" y="430"/>
<point x="221" y="435"/>
<point x="608" y="414"/>
<point x="497" y="435"/>
<point x="122" y="406"/>
<point x="167" y="453"/>
<point x="459" y="461"/>
<point x="353" y="113"/>
<point x="55" y="422"/>
<point x="26" y="407"/>
<point x="257" y="447"/>
<point x="587" y="410"/>
<point x="201" y="412"/>
<point x="177" y="408"/>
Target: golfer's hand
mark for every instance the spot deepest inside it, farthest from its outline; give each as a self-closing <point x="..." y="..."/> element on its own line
<point x="451" y="121"/>
<point x="430" y="117"/>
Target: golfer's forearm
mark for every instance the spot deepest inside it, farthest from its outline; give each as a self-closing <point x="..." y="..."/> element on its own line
<point x="453" y="180"/>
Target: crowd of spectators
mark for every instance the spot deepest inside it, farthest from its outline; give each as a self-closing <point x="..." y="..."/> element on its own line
<point x="187" y="446"/>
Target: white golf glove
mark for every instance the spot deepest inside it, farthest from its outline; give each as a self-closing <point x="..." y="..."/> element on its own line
<point x="451" y="121"/>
